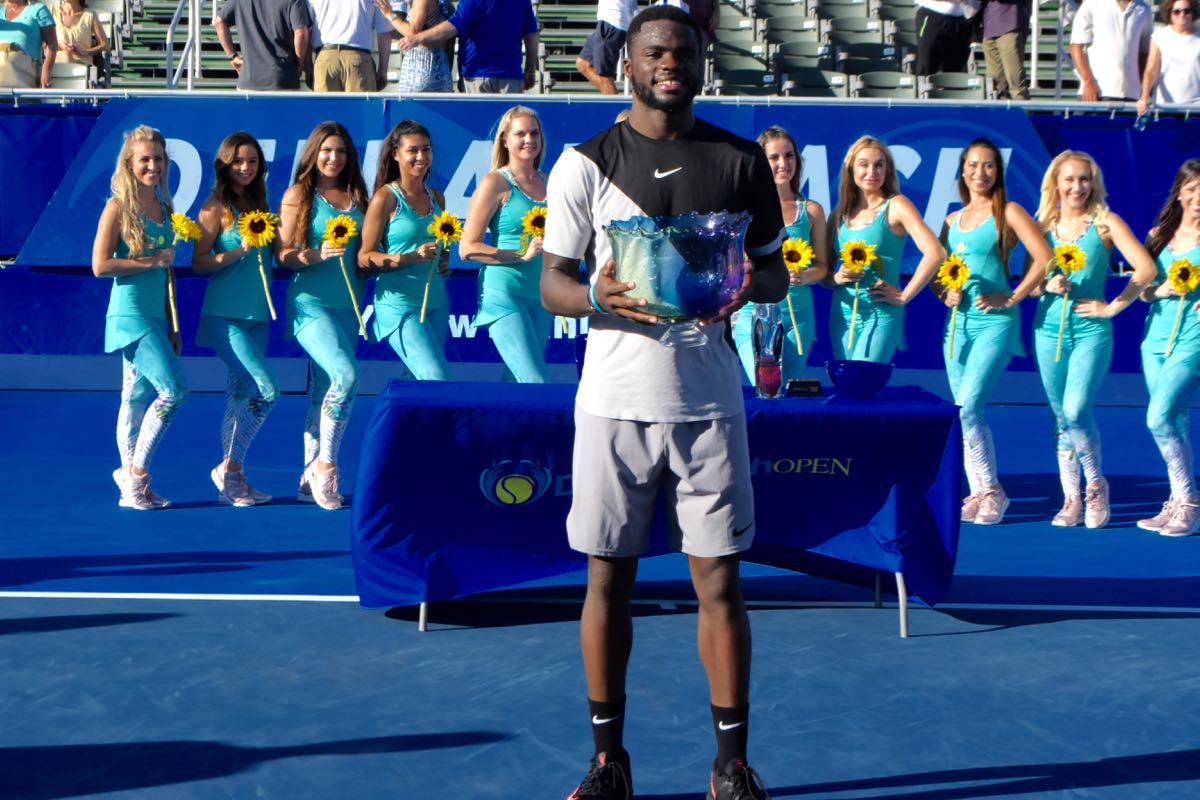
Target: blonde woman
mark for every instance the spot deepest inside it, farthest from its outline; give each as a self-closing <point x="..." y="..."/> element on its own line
<point x="133" y="247"/>
<point x="510" y="304"/>
<point x="1075" y="219"/>
<point x="871" y="211"/>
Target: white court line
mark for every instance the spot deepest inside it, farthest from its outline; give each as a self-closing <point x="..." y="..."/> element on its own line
<point x="289" y="598"/>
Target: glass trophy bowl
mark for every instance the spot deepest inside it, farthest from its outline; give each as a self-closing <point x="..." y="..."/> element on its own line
<point x="686" y="267"/>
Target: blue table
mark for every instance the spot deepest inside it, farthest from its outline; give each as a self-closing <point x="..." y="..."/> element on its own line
<point x="464" y="488"/>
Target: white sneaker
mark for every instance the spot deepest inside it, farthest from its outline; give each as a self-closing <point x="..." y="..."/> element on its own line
<point x="1160" y="519"/>
<point x="304" y="493"/>
<point x="1095" y="504"/>
<point x="993" y="502"/>
<point x="136" y="492"/>
<point x="324" y="486"/>
<point x="1186" y="520"/>
<point x="231" y="487"/>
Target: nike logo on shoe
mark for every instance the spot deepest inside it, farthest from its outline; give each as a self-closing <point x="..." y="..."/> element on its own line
<point x="597" y="721"/>
<point x="725" y="727"/>
<point x="659" y="174"/>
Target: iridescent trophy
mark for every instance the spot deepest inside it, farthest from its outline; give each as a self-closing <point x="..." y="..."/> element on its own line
<point x="686" y="267"/>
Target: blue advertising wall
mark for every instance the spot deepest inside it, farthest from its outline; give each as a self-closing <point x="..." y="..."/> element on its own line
<point x="57" y="187"/>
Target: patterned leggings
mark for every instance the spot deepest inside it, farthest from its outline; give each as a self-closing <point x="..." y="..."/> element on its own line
<point x="329" y="340"/>
<point x="153" y="381"/>
<point x="1172" y="382"/>
<point x="251" y="390"/>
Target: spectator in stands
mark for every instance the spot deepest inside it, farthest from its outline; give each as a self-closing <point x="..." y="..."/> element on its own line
<point x="1174" y="61"/>
<point x="275" y="36"/>
<point x="1005" y="29"/>
<point x="342" y="39"/>
<point x="944" y="32"/>
<point x="81" y="38"/>
<point x="28" y="45"/>
<point x="1118" y="32"/>
<point x="491" y="33"/>
<point x="601" y="53"/>
<point x="424" y="69"/>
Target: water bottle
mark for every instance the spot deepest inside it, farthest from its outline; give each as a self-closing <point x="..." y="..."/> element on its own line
<point x="768" y="348"/>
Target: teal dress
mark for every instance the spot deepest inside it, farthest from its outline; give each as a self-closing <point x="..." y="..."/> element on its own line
<point x="802" y="305"/>
<point x="510" y="304"/>
<point x="879" y="327"/>
<point x="1073" y="381"/>
<point x="236" y="292"/>
<point x="1163" y="311"/>
<point x="137" y="303"/>
<point x="399" y="293"/>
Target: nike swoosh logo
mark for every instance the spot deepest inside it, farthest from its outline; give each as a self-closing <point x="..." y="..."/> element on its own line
<point x="597" y="721"/>
<point x="725" y="727"/>
<point x="660" y="174"/>
<point x="737" y="532"/>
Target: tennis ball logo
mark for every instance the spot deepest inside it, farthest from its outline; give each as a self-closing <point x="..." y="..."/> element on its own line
<point x="514" y="483"/>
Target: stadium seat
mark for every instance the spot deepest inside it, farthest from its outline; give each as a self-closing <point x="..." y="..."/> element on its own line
<point x="956" y="86"/>
<point x="803" y="55"/>
<point x="815" y="83"/>
<point x="69" y="75"/>
<point x="847" y="9"/>
<point x="862" y="31"/>
<point x="745" y="81"/>
<point x="898" y="85"/>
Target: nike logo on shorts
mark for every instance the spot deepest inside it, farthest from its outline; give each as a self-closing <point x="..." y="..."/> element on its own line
<point x="597" y="721"/>
<point x="659" y="174"/>
<point x="725" y="727"/>
<point x="739" y="531"/>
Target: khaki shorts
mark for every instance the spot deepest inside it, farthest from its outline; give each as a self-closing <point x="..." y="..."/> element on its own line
<point x="17" y="69"/>
<point x="343" y="71"/>
<point x="621" y="467"/>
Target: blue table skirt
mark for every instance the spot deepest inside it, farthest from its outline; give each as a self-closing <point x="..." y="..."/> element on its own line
<point x="464" y="488"/>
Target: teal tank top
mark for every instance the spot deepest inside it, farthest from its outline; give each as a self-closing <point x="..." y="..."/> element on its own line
<point x="1086" y="284"/>
<point x="322" y="283"/>
<point x="981" y="252"/>
<point x="138" y="302"/>
<point x="888" y="249"/>
<point x="143" y="294"/>
<point x="406" y="231"/>
<point x="801" y="296"/>
<point x="236" y="292"/>
<point x="520" y="278"/>
<point x="1163" y="311"/>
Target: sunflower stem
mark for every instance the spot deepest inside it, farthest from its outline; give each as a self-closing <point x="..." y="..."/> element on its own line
<point x="853" y="319"/>
<point x="953" y="317"/>
<point x="171" y="303"/>
<point x="362" y="329"/>
<point x="262" y="271"/>
<point x="1175" y="328"/>
<point x="429" y="280"/>
<point x="1062" y="324"/>
<point x="795" y="329"/>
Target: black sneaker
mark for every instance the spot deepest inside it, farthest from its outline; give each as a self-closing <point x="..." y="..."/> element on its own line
<point x="606" y="780"/>
<point x="736" y="782"/>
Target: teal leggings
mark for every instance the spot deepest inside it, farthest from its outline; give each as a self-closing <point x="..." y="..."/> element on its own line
<point x="251" y="390"/>
<point x="1171" y="383"/>
<point x="153" y="382"/>
<point x="520" y="328"/>
<point x="978" y="364"/>
<point x="876" y="336"/>
<point x="1071" y="385"/>
<point x="422" y="345"/>
<point x="329" y="339"/>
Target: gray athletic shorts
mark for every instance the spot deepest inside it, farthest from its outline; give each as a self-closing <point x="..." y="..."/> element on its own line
<point x="702" y="470"/>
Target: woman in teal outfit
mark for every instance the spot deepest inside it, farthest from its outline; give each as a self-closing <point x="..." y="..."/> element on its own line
<point x="323" y="296"/>
<point x="407" y="279"/>
<point x="808" y="224"/>
<point x="871" y="210"/>
<point x="987" y="322"/>
<point x="510" y="303"/>
<point x="1172" y="379"/>
<point x="1075" y="219"/>
<point x="133" y="246"/>
<point x="235" y="317"/>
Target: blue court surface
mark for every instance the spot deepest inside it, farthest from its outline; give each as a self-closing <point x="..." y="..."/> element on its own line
<point x="209" y="652"/>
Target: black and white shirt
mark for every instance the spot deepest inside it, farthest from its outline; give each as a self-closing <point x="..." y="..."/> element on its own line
<point x="620" y="174"/>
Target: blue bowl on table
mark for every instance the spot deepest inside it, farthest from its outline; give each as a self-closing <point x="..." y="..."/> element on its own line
<point x="859" y="380"/>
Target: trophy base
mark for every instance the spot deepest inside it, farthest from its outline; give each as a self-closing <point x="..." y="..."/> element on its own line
<point x="683" y="334"/>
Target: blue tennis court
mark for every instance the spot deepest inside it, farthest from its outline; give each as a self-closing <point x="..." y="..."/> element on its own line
<point x="211" y="652"/>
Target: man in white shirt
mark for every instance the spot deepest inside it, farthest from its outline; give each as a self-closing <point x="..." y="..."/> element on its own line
<point x="1118" y="33"/>
<point x="342" y="40"/>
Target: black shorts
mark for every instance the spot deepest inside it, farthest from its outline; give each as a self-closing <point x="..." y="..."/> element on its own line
<point x="603" y="49"/>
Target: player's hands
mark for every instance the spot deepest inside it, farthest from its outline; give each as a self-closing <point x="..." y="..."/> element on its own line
<point x="739" y="299"/>
<point x="610" y="296"/>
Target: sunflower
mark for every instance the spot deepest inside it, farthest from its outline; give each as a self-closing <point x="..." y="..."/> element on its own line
<point x="340" y="230"/>
<point x="1183" y="276"/>
<point x="1069" y="258"/>
<point x="533" y="224"/>
<point x="797" y="255"/>
<point x="858" y="255"/>
<point x="185" y="229"/>
<point x="953" y="272"/>
<point x="446" y="228"/>
<point x="257" y="228"/>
